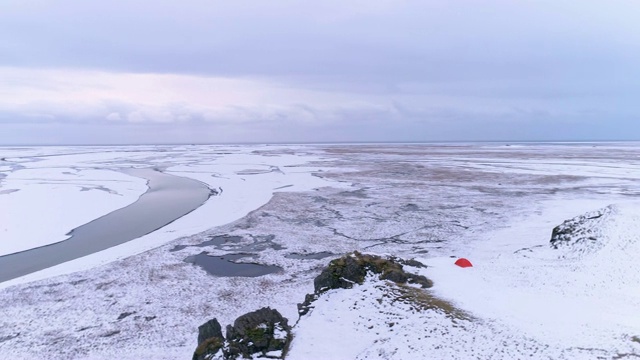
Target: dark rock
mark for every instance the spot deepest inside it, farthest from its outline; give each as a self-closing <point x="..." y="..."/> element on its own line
<point x="76" y="282"/>
<point x="395" y="275"/>
<point x="344" y="272"/>
<point x="125" y="314"/>
<point x="111" y="333"/>
<point x="209" y="349"/>
<point x="421" y="280"/>
<point x="262" y="333"/>
<point x="412" y="262"/>
<point x="209" y="329"/>
<point x="304" y="308"/>
<point x="210" y="340"/>
<point x="341" y="273"/>
<point x="360" y="193"/>
<point x="352" y="268"/>
<point x="580" y="232"/>
<point x="9" y="337"/>
<point x="411" y="207"/>
<point x="258" y="332"/>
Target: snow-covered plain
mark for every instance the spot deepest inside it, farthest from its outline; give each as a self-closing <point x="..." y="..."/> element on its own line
<point x="494" y="204"/>
<point x="68" y="187"/>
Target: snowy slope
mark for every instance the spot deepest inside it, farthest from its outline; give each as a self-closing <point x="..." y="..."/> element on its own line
<point x="553" y="296"/>
<point x="515" y="303"/>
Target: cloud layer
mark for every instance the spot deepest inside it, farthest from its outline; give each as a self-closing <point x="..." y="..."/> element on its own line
<point x="213" y="71"/>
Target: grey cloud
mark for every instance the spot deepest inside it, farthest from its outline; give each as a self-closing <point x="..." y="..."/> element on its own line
<point x="526" y="70"/>
<point x="393" y="123"/>
<point x="413" y="40"/>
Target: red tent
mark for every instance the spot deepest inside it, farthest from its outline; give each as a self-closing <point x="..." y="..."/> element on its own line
<point x="463" y="263"/>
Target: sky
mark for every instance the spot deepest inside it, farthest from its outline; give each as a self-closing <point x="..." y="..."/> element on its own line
<point x="208" y="71"/>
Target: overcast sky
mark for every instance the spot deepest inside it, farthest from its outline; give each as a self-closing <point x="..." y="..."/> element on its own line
<point x="200" y="71"/>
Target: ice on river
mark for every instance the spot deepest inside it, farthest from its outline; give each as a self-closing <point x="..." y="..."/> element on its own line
<point x="41" y="204"/>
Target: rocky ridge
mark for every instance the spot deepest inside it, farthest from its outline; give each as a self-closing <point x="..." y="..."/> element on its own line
<point x="265" y="333"/>
<point x="581" y="234"/>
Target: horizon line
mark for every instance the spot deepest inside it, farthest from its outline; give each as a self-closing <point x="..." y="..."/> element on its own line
<point x="333" y="143"/>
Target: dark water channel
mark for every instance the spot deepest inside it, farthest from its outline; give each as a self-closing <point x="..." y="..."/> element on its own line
<point x="168" y="198"/>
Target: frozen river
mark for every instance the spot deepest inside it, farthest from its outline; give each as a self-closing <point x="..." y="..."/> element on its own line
<point x="168" y="198"/>
<point x="64" y="209"/>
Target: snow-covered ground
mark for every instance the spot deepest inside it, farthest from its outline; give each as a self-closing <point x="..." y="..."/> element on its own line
<point x="494" y="204"/>
<point x="47" y="194"/>
<point x="555" y="296"/>
<point x="42" y="202"/>
<point x="522" y="299"/>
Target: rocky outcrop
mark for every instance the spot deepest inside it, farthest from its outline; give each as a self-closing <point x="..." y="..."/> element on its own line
<point x="341" y="273"/>
<point x="582" y="233"/>
<point x="352" y="268"/>
<point x="264" y="333"/>
<point x="344" y="272"/>
<point x="209" y="330"/>
<point x="210" y="341"/>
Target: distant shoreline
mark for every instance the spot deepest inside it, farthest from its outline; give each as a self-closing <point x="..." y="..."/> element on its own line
<point x="443" y="142"/>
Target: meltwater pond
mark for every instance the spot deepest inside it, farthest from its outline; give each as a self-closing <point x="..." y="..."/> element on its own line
<point x="168" y="198"/>
<point x="225" y="265"/>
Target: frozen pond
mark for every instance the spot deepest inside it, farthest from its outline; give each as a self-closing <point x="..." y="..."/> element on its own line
<point x="226" y="265"/>
<point x="169" y="198"/>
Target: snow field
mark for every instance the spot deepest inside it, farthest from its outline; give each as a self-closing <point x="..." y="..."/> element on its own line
<point x="564" y="302"/>
<point x="410" y="201"/>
